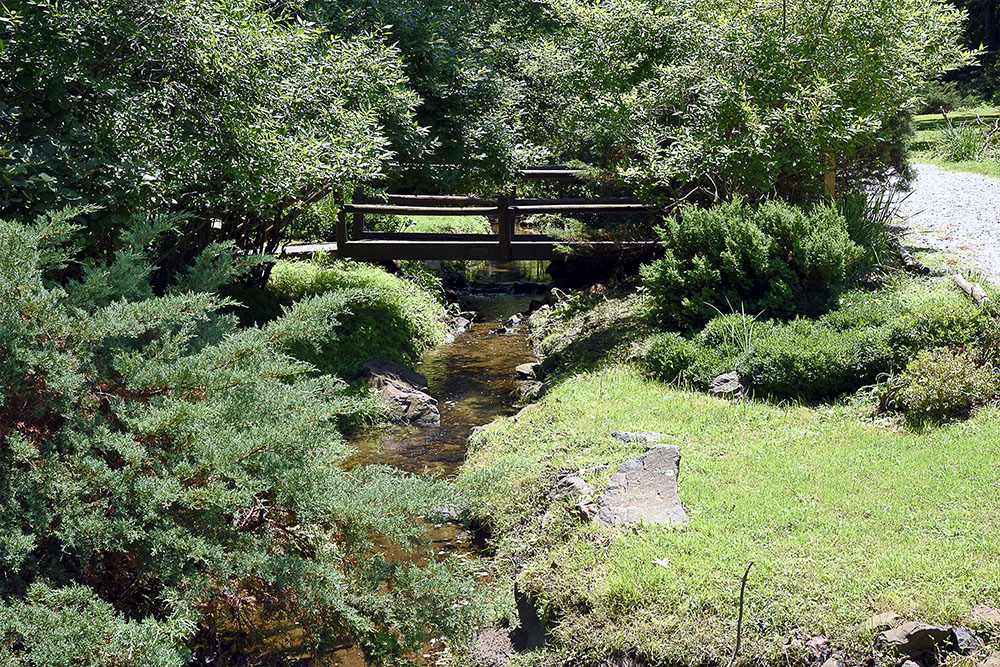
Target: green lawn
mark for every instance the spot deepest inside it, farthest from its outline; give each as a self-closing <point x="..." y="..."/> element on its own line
<point x="842" y="518"/>
<point x="928" y="129"/>
<point x="984" y="167"/>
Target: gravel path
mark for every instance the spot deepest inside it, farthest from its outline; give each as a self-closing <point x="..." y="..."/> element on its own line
<point x="957" y="215"/>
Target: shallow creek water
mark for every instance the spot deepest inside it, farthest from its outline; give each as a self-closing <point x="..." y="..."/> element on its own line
<point x="474" y="381"/>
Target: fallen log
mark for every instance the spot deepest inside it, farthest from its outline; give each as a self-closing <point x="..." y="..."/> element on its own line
<point x="910" y="263"/>
<point x="974" y="290"/>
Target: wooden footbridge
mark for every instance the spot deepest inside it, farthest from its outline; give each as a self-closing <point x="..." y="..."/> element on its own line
<point x="505" y="245"/>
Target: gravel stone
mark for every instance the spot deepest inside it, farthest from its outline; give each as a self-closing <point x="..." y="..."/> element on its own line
<point x="957" y="213"/>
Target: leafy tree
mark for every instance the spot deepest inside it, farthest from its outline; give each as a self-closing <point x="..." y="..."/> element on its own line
<point x="456" y="58"/>
<point x="706" y="99"/>
<point x="237" y="112"/>
<point x="169" y="476"/>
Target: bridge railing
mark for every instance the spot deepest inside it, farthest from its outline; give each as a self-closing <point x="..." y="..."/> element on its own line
<point x="503" y="246"/>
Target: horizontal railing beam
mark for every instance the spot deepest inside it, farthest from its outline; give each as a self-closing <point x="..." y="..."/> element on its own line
<point x="424" y="200"/>
<point x="578" y="208"/>
<point x="387" y="209"/>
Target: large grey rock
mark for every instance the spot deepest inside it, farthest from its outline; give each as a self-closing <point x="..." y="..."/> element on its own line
<point x="644" y="490"/>
<point x="913" y="639"/>
<point x="728" y="384"/>
<point x="400" y="389"/>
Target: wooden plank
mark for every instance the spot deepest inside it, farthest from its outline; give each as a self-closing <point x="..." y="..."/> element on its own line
<point x="579" y="208"/>
<point x="425" y="200"/>
<point x="307" y="248"/>
<point x="556" y="201"/>
<point x="551" y="174"/>
<point x="432" y="236"/>
<point x="376" y="250"/>
<point x="359" y="226"/>
<point x="387" y="209"/>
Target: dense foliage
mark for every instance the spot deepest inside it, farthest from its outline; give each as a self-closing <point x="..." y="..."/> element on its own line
<point x="868" y="335"/>
<point x="170" y="477"/>
<point x="708" y="99"/>
<point x="776" y="259"/>
<point x="384" y="317"/>
<point x="235" y="112"/>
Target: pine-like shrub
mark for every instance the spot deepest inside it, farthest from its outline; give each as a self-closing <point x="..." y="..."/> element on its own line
<point x="384" y="317"/>
<point x="776" y="259"/>
<point x="169" y="476"/>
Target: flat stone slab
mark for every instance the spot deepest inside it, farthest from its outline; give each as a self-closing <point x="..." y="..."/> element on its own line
<point x="645" y="437"/>
<point x="644" y="490"/>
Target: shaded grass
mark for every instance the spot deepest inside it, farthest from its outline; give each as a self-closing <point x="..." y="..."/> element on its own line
<point x="842" y="518"/>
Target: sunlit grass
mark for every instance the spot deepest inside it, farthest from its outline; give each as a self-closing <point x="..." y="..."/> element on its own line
<point x="842" y="518"/>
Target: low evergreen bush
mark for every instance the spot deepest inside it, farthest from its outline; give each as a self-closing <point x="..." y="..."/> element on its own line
<point x="940" y="385"/>
<point x="168" y="475"/>
<point x="868" y="335"/>
<point x="776" y="259"/>
<point x="383" y="316"/>
<point x="667" y="355"/>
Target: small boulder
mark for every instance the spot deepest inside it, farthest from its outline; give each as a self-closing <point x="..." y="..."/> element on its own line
<point x="530" y="390"/>
<point x="987" y="614"/>
<point x="883" y="621"/>
<point x="644" y="490"/>
<point x="991" y="661"/>
<point x="401" y="391"/>
<point x="818" y="646"/>
<point x="494" y="648"/>
<point x="834" y="662"/>
<point x="571" y="487"/>
<point x="728" y="384"/>
<point x="913" y="639"/>
<point x="460" y="324"/>
<point x="644" y="437"/>
<point x="965" y="640"/>
<point x="528" y="371"/>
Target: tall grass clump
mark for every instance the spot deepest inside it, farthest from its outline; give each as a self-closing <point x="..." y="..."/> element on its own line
<point x="385" y="317"/>
<point x="869" y="217"/>
<point x="967" y="142"/>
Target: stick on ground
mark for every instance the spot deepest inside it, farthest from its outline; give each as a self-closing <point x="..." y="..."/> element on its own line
<point x="739" y="622"/>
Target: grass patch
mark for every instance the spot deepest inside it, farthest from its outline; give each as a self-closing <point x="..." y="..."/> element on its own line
<point x="984" y="167"/>
<point x="445" y="224"/>
<point x="842" y="518"/>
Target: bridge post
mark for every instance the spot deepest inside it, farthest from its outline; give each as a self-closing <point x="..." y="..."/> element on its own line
<point x="359" y="219"/>
<point x="341" y="226"/>
<point x="505" y="224"/>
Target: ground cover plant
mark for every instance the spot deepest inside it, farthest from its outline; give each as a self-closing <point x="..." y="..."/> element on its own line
<point x="170" y="477"/>
<point x="842" y="518"/>
<point x="385" y="316"/>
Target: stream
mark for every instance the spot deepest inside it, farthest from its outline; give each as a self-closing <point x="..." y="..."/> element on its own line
<point x="474" y="382"/>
